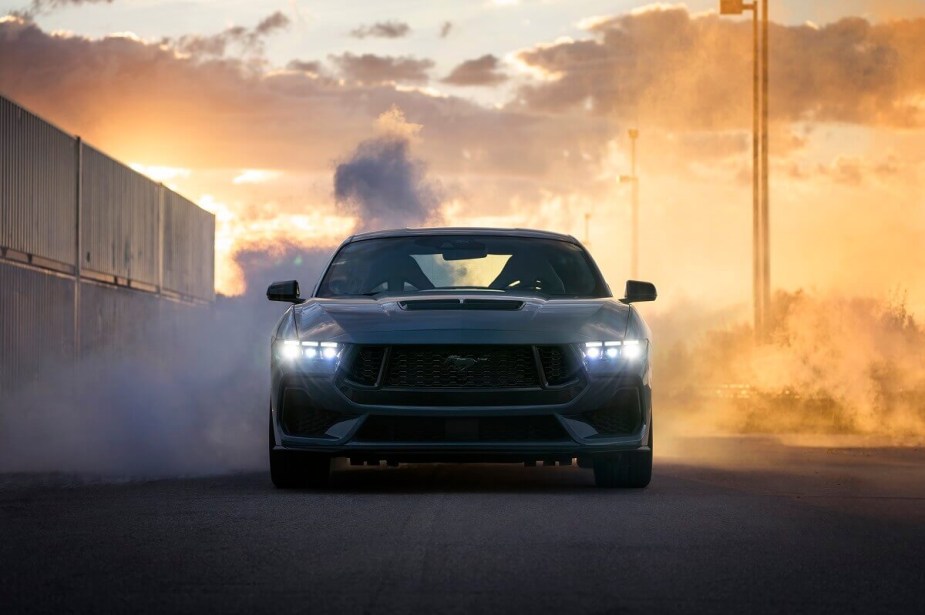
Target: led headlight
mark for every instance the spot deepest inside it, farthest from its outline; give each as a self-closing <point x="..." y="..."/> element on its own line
<point x="632" y="349"/>
<point x="611" y="351"/>
<point x="290" y="349"/>
<point x="294" y="349"/>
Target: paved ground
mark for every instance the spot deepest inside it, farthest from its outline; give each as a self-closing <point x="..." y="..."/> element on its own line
<point x="743" y="525"/>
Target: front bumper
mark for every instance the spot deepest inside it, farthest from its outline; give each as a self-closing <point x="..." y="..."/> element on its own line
<point x="568" y="422"/>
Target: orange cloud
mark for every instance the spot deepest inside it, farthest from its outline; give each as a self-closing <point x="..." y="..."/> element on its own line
<point x="671" y="69"/>
<point x="846" y="195"/>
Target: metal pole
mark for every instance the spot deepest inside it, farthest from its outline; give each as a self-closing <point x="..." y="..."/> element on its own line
<point x="757" y="267"/>
<point x="78" y="247"/>
<point x="761" y="287"/>
<point x="765" y="173"/>
<point x="160" y="238"/>
<point x="634" y="255"/>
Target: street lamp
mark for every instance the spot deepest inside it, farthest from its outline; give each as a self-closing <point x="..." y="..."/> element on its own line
<point x="732" y="7"/>
<point x="761" y="269"/>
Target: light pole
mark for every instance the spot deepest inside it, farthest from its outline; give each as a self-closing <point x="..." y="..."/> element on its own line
<point x="761" y="256"/>
<point x="634" y="220"/>
<point x="765" y="174"/>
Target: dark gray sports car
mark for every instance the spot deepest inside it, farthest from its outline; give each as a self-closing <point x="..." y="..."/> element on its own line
<point x="461" y="344"/>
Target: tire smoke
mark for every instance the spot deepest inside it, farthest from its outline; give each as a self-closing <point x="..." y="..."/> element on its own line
<point x="192" y="397"/>
<point x="833" y="365"/>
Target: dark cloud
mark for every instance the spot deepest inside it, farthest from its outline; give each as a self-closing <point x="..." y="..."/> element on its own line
<point x="673" y="69"/>
<point x="382" y="29"/>
<point x="311" y="67"/>
<point x="480" y="71"/>
<point x="247" y="40"/>
<point x="446" y="28"/>
<point x="384" y="187"/>
<point x="43" y="7"/>
<point x="855" y="171"/>
<point x="276" y="21"/>
<point x="370" y="69"/>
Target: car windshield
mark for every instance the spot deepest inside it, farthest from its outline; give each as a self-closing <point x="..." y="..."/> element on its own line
<point x="499" y="264"/>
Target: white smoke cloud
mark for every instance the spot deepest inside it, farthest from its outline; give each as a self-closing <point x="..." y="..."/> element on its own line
<point x="193" y="399"/>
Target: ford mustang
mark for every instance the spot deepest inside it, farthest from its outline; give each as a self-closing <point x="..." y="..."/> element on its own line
<point x="461" y="344"/>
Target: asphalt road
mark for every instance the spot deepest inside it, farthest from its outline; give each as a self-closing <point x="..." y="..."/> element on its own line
<point x="739" y="526"/>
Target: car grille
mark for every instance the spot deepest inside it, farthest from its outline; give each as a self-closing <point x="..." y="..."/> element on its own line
<point x="441" y="367"/>
<point x="622" y="416"/>
<point x="559" y="365"/>
<point x="364" y="369"/>
<point x="301" y="418"/>
<point x="457" y="429"/>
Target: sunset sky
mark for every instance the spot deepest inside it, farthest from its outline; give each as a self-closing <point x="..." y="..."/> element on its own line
<point x="514" y="114"/>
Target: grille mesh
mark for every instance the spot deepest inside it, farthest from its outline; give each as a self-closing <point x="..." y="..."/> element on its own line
<point x="622" y="416"/>
<point x="366" y="365"/>
<point x="301" y="418"/>
<point x="462" y="367"/>
<point x="559" y="365"/>
<point x="477" y="429"/>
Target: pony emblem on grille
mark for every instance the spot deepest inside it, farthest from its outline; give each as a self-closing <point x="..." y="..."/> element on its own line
<point x="461" y="364"/>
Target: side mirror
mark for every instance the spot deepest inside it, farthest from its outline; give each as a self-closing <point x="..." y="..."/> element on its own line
<point x="638" y="291"/>
<point x="284" y="291"/>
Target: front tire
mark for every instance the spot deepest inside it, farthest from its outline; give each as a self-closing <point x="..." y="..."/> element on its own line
<point x="632" y="469"/>
<point x="294" y="469"/>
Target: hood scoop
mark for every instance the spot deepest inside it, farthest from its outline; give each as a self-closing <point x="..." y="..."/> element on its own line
<point x="506" y="305"/>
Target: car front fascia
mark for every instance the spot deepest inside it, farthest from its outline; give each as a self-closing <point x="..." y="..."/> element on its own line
<point x="598" y="388"/>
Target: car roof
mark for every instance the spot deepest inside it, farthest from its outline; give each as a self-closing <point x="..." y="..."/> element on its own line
<point x="462" y="230"/>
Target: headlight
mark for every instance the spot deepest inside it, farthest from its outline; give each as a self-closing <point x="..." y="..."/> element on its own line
<point x="611" y="351"/>
<point x="294" y="349"/>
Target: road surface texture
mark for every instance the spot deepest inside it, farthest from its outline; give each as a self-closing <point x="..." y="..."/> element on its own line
<point x="732" y="525"/>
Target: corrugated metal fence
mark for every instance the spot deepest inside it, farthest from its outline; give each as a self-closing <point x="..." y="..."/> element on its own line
<point x="188" y="245"/>
<point x="93" y="255"/>
<point x="38" y="186"/>
<point x="119" y="219"/>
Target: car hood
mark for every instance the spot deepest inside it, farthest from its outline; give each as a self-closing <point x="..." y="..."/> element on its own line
<point x="461" y="319"/>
